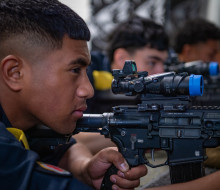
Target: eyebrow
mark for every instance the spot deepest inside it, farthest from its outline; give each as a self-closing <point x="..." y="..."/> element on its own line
<point x="155" y="57"/>
<point x="79" y="61"/>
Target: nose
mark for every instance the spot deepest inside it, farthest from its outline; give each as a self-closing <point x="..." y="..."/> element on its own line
<point x="85" y="89"/>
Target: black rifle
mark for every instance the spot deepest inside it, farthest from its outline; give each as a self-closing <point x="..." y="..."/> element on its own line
<point x="210" y="72"/>
<point x="163" y="120"/>
<point x="195" y="67"/>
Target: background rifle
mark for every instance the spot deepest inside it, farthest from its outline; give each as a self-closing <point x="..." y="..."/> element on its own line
<point x="210" y="72"/>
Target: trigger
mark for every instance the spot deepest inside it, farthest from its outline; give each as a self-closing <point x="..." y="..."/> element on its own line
<point x="152" y="154"/>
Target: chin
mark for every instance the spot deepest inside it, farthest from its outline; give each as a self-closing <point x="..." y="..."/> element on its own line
<point x="65" y="128"/>
<point x="70" y="129"/>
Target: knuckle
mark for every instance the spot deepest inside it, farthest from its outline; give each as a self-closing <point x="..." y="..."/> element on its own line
<point x="145" y="170"/>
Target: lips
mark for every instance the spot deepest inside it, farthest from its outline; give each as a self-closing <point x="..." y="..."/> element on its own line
<point x="82" y="108"/>
<point x="78" y="113"/>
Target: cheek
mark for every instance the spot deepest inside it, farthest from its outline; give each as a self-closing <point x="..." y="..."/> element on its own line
<point x="60" y="98"/>
<point x="48" y="102"/>
<point x="203" y="54"/>
<point x="52" y="99"/>
<point x="54" y="106"/>
<point x="141" y="64"/>
<point x="58" y="90"/>
<point x="54" y="90"/>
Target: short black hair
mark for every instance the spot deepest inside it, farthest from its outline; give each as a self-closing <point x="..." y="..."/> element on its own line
<point x="135" y="33"/>
<point x="195" y="31"/>
<point x="42" y="21"/>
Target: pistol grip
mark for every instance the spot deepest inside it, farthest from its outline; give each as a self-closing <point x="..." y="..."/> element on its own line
<point x="106" y="183"/>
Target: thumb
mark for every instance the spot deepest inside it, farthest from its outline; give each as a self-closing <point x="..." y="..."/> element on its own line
<point x="116" y="158"/>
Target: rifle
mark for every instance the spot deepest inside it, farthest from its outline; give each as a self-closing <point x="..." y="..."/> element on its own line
<point x="163" y="120"/>
<point x="210" y="72"/>
<point x="196" y="67"/>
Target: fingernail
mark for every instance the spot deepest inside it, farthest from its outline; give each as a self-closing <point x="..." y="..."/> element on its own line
<point x="121" y="174"/>
<point x="124" y="166"/>
<point x="114" y="188"/>
<point x="113" y="180"/>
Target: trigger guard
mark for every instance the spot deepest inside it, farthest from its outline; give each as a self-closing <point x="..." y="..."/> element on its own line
<point x="155" y="166"/>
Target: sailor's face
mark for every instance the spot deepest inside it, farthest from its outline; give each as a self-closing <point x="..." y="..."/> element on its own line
<point x="59" y="86"/>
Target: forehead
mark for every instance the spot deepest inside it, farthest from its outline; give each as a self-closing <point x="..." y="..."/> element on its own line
<point x="210" y="44"/>
<point x="148" y="52"/>
<point x="71" y="53"/>
<point x="76" y="48"/>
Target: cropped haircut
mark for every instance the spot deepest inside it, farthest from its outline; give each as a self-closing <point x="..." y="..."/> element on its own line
<point x="42" y="22"/>
<point x="136" y="33"/>
<point x="195" y="31"/>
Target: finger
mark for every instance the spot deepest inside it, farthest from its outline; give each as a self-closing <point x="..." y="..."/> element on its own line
<point x="134" y="173"/>
<point x="110" y="155"/>
<point x="124" y="183"/>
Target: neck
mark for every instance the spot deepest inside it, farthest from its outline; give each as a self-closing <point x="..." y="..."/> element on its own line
<point x="17" y="117"/>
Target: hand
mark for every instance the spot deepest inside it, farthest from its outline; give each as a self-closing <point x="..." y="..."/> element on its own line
<point x="125" y="178"/>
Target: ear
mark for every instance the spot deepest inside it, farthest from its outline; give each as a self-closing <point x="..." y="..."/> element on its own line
<point x="11" y="69"/>
<point x="120" y="56"/>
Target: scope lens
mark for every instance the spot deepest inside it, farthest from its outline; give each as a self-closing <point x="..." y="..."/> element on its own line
<point x="213" y="68"/>
<point x="196" y="85"/>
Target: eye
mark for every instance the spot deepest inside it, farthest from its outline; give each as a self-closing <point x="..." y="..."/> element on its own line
<point x="76" y="70"/>
<point x="151" y="63"/>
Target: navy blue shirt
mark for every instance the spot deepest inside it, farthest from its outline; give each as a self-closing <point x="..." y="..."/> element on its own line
<point x="20" y="169"/>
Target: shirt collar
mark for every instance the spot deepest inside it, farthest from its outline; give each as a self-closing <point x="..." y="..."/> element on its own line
<point x="3" y="118"/>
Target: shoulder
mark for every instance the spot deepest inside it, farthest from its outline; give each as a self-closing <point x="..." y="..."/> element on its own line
<point x="47" y="176"/>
